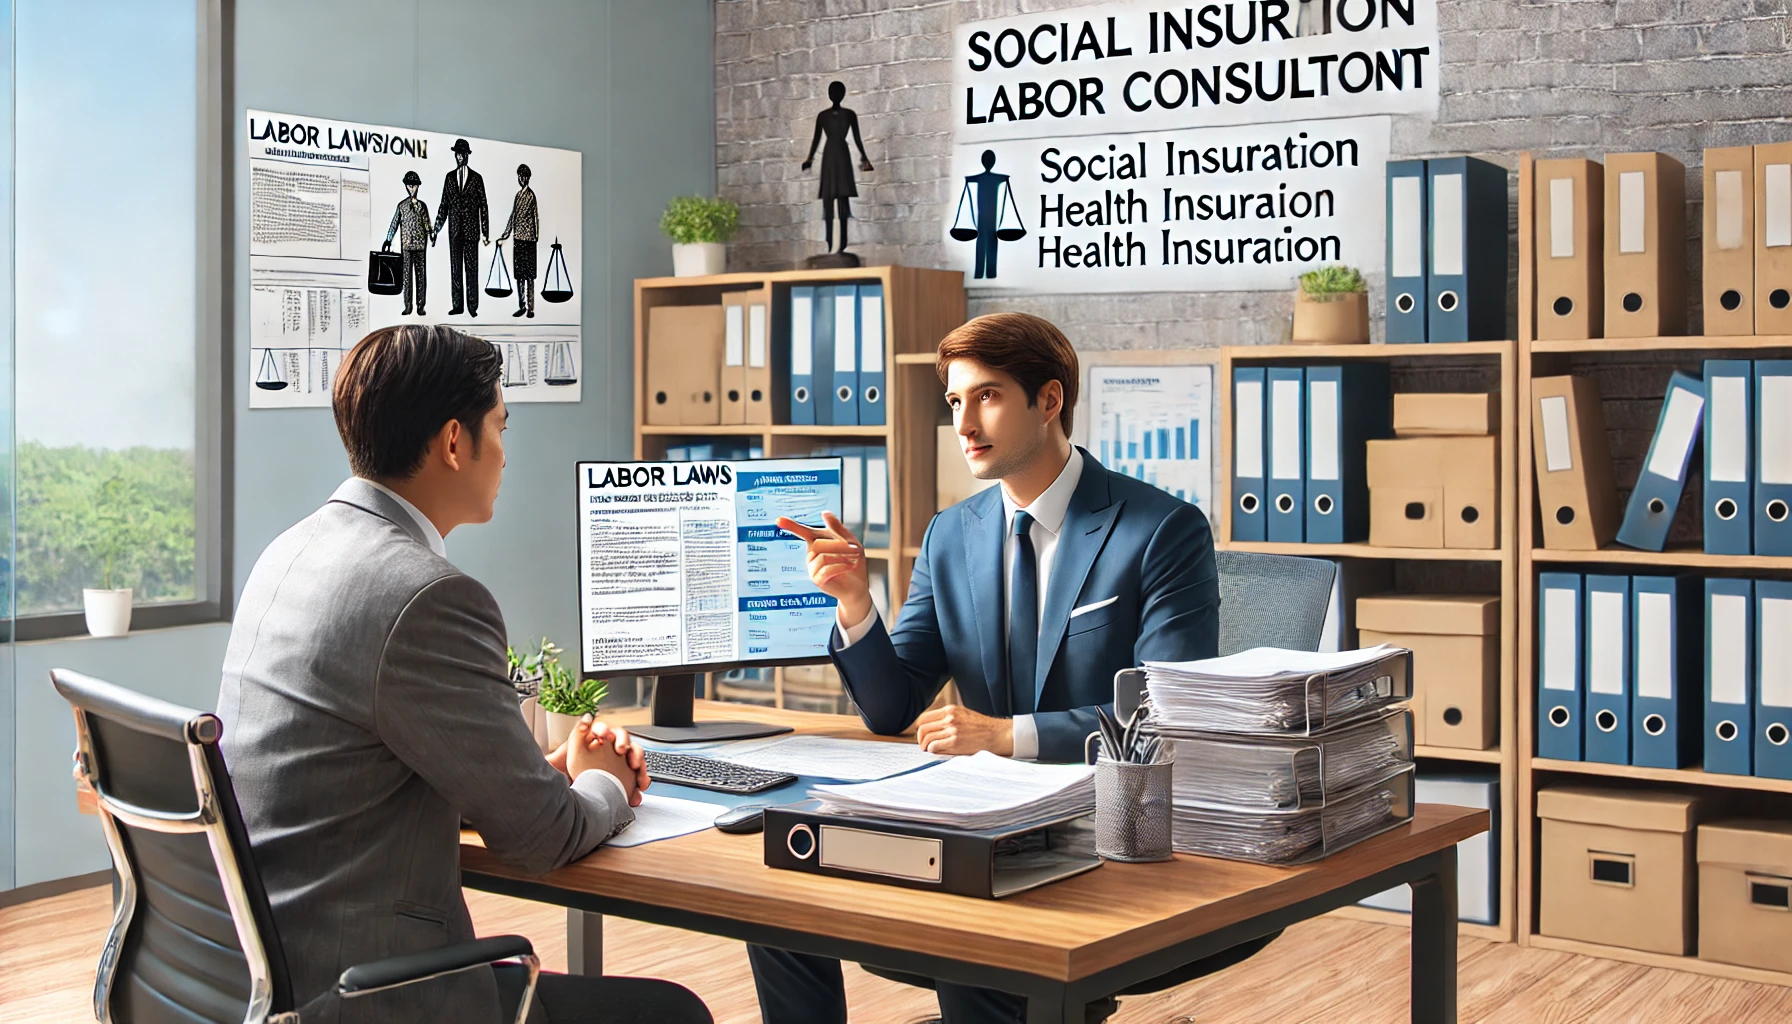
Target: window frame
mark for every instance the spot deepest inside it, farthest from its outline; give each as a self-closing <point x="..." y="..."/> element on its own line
<point x="213" y="393"/>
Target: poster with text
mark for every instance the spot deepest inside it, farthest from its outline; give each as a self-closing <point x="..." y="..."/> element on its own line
<point x="1133" y="147"/>
<point x="353" y="227"/>
<point x="1155" y="423"/>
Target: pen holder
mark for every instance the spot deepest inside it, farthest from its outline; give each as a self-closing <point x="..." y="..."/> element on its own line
<point x="1132" y="810"/>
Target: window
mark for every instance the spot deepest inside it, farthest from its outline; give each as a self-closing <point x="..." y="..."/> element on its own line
<point x="117" y="177"/>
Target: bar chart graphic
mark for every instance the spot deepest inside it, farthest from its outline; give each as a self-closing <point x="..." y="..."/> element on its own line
<point x="1155" y="423"/>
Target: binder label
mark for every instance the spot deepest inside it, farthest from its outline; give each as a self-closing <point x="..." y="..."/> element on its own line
<point x="1446" y="224"/>
<point x="1778" y="215"/>
<point x="1248" y="427"/>
<point x="1776" y="430"/>
<point x="1561" y="218"/>
<point x="877" y="492"/>
<point x="1322" y="418"/>
<point x="846" y="332"/>
<point x="1732" y="232"/>
<point x="1655" y="645"/>
<point x="1284" y="409"/>
<point x="1729" y="642"/>
<point x="1605" y="652"/>
<point x="1556" y="451"/>
<point x="1674" y="438"/>
<point x="1775" y="629"/>
<point x="1560" y="653"/>
<point x="756" y="337"/>
<point x="732" y="354"/>
<point x="1729" y="430"/>
<point x="872" y="328"/>
<point x="1631" y="216"/>
<point x="1407" y="226"/>
<point x="802" y="335"/>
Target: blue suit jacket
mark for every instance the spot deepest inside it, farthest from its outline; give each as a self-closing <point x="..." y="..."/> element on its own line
<point x="1145" y="553"/>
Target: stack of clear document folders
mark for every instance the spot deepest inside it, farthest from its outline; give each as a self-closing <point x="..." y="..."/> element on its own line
<point x="1283" y="757"/>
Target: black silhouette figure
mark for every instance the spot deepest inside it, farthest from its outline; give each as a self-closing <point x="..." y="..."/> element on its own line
<point x="525" y="225"/>
<point x="994" y="198"/>
<point x="463" y="208"/>
<point x="837" y="185"/>
<point x="412" y="219"/>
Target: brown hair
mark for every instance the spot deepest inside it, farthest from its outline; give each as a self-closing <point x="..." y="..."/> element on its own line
<point x="1026" y="347"/>
<point x="398" y="386"/>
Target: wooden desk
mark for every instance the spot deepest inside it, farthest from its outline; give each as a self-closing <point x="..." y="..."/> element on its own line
<point x="1061" y="946"/>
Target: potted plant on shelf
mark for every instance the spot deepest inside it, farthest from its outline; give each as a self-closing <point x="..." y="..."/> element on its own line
<point x="1331" y="307"/>
<point x="698" y="227"/>
<point x="108" y="608"/>
<point x="561" y="693"/>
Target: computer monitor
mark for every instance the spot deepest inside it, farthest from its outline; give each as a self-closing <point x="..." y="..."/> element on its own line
<point x="683" y="570"/>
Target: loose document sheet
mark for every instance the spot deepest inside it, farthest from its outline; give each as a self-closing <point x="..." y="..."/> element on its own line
<point x="827" y="757"/>
<point x="982" y="791"/>
<point x="666" y="817"/>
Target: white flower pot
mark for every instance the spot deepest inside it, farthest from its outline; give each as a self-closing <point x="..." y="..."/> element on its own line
<point x="560" y="727"/>
<point x="699" y="259"/>
<point x="108" y="611"/>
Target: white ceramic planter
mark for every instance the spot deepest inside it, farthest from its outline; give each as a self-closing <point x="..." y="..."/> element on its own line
<point x="699" y="259"/>
<point x="108" y="611"/>
<point x="560" y="727"/>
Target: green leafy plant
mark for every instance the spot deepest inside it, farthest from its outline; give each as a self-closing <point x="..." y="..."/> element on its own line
<point x="693" y="219"/>
<point x="1331" y="281"/>
<point x="560" y="691"/>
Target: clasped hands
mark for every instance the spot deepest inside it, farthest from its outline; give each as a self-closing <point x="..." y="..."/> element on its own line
<point x="601" y="746"/>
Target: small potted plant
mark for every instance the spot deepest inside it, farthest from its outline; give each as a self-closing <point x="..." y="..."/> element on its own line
<point x="1331" y="307"/>
<point x="108" y="608"/>
<point x="698" y="227"/>
<point x="561" y="693"/>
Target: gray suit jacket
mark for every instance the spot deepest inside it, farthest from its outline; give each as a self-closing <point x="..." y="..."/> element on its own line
<point x="366" y="710"/>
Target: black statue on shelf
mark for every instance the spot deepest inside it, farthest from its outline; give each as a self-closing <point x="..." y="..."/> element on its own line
<point x="837" y="184"/>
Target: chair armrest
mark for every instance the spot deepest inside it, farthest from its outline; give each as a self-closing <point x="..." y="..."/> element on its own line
<point x="364" y="979"/>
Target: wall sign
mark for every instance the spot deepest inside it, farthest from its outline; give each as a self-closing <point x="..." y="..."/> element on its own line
<point x="1129" y="147"/>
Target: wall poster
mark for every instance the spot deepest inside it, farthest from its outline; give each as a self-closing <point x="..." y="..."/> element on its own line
<point x="354" y="227"/>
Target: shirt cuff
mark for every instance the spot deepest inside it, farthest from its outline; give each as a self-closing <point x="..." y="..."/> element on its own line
<point x="850" y="635"/>
<point x="1026" y="738"/>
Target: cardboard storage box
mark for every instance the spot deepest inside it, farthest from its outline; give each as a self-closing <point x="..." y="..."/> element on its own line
<point x="1745" y="893"/>
<point x="1618" y="867"/>
<point x="1418" y="414"/>
<point x="1470" y="467"/>
<point x="1434" y="492"/>
<point x="684" y="365"/>
<point x="1455" y="644"/>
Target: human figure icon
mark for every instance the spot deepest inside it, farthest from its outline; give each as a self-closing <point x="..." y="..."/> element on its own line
<point x="837" y="184"/>
<point x="463" y="209"/>
<point x="525" y="227"/>
<point x="992" y="198"/>
<point x="410" y="223"/>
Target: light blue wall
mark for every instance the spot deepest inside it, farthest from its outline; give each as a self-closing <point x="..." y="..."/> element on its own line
<point x="630" y="84"/>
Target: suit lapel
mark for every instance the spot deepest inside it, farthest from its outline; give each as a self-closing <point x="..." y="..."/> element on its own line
<point x="1087" y="524"/>
<point x="982" y="522"/>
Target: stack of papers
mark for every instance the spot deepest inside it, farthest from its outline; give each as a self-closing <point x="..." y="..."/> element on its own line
<point x="1278" y="772"/>
<point x="825" y="757"/>
<point x="1267" y="690"/>
<point x="978" y="793"/>
<point x="1295" y="836"/>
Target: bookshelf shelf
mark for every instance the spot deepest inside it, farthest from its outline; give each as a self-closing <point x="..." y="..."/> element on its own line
<point x="1684" y="557"/>
<point x="1323" y="353"/>
<point x="1458" y="754"/>
<point x="1684" y="776"/>
<point x="1686" y="343"/>
<point x="1364" y="550"/>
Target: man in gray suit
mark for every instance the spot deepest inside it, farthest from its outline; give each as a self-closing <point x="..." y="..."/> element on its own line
<point x="367" y="709"/>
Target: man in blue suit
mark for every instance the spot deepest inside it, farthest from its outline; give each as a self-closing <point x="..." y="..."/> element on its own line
<point x="1029" y="596"/>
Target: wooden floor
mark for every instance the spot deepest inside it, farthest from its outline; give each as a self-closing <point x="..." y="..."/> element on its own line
<point x="1324" y="972"/>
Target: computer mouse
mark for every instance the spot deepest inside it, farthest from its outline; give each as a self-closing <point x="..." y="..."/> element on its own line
<point x="743" y="820"/>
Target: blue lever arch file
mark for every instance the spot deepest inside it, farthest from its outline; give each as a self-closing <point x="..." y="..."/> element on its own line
<point x="1729" y="486"/>
<point x="1285" y="432"/>
<point x="1606" y="724"/>
<point x="1249" y="400"/>
<point x="1666" y="644"/>
<point x="822" y="355"/>
<point x="1663" y="476"/>
<point x="802" y="356"/>
<point x="1773" y="456"/>
<point x="1729" y="676"/>
<point x="1559" y="666"/>
<point x="1466" y="286"/>
<point x="871" y="356"/>
<point x="844" y="409"/>
<point x="1773" y="679"/>
<point x="1407" y="298"/>
<point x="1347" y="406"/>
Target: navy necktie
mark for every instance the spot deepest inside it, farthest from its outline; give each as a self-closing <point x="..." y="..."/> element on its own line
<point x="1023" y="618"/>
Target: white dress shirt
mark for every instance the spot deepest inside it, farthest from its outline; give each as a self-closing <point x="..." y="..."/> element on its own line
<point x="431" y="536"/>
<point x="1048" y="512"/>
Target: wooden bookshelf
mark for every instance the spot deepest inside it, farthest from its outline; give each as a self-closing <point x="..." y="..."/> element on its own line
<point x="1684" y="343"/>
<point x="920" y="307"/>
<point x="1677" y="776"/>
<point x="1675" y="557"/>
<point x="1499" y="362"/>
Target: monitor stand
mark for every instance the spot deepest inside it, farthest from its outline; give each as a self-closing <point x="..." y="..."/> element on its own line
<point x="672" y="722"/>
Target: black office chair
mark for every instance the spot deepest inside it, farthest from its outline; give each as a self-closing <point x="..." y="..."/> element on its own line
<point x="193" y="938"/>
<point x="1265" y="601"/>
